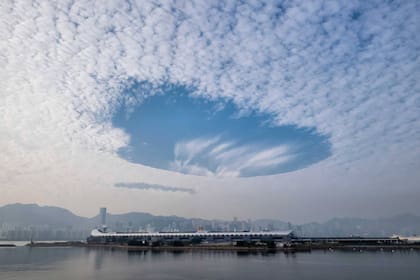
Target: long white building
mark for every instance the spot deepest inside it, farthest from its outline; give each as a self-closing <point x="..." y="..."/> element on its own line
<point x="98" y="236"/>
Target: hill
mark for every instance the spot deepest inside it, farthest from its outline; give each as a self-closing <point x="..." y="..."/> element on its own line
<point x="30" y="221"/>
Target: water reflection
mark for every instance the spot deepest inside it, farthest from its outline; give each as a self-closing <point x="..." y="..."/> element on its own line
<point x="106" y="264"/>
<point x="99" y="259"/>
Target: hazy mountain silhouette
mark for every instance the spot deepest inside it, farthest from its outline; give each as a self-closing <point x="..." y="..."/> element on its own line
<point x="32" y="214"/>
<point x="404" y="224"/>
<point x="24" y="216"/>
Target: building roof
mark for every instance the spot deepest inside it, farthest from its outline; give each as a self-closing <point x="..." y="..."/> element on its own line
<point x="98" y="233"/>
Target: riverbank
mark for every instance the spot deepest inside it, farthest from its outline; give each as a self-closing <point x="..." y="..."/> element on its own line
<point x="298" y="248"/>
<point x="7" y="245"/>
<point x="279" y="249"/>
<point x="58" y="244"/>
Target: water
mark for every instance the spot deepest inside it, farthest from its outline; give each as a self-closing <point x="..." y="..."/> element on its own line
<point x="85" y="263"/>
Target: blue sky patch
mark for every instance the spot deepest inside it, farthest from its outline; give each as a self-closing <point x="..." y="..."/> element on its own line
<point x="177" y="131"/>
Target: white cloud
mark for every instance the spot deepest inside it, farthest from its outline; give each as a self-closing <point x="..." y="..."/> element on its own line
<point x="187" y="150"/>
<point x="64" y="66"/>
<point x="310" y="67"/>
<point x="217" y="157"/>
<point x="144" y="186"/>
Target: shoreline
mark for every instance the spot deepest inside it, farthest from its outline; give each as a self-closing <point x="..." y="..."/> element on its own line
<point x="261" y="249"/>
<point x="292" y="249"/>
<point x="8" y="245"/>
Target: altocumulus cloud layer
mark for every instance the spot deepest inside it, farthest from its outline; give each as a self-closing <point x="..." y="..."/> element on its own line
<point x="348" y="69"/>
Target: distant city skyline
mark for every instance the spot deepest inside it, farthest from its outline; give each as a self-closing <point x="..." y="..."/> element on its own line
<point x="30" y="221"/>
<point x="212" y="109"/>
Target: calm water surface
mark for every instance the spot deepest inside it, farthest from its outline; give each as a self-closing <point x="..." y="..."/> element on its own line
<point x="85" y="263"/>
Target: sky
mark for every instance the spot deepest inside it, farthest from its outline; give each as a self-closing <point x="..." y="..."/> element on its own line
<point x="294" y="110"/>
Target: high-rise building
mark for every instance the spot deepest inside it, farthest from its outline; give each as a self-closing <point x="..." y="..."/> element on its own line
<point x="102" y="214"/>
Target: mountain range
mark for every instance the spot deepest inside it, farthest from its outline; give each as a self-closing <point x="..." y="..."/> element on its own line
<point x="27" y="221"/>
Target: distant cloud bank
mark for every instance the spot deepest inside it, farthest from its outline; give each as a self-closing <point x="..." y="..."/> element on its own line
<point x="144" y="186"/>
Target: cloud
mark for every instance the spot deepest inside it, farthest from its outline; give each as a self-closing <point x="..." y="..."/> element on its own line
<point x="190" y="149"/>
<point x="340" y="68"/>
<point x="144" y="186"/>
<point x="216" y="157"/>
<point x="349" y="69"/>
